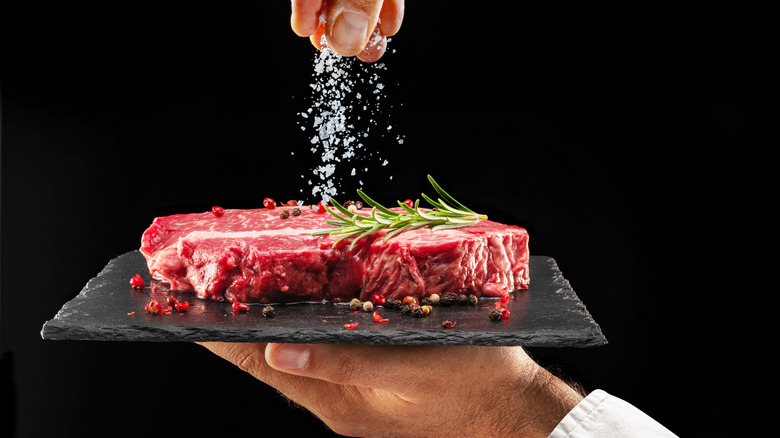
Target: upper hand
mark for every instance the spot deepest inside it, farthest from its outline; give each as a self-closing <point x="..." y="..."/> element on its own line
<point x="349" y="27"/>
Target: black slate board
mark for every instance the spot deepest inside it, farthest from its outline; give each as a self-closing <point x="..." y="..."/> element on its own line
<point x="548" y="314"/>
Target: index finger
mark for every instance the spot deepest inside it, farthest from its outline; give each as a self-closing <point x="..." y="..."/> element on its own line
<point x="399" y="368"/>
<point x="304" y="19"/>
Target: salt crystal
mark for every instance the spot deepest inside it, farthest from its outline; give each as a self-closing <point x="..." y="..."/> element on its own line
<point x="337" y="99"/>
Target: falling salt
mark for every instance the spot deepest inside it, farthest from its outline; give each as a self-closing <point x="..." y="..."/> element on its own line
<point x="338" y="103"/>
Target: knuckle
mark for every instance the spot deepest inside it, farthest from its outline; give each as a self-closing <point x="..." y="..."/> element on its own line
<point x="250" y="360"/>
<point x="350" y="369"/>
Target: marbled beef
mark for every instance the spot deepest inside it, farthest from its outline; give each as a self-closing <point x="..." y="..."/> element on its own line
<point x="256" y="256"/>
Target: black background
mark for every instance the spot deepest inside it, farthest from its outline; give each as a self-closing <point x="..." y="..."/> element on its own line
<point x="620" y="136"/>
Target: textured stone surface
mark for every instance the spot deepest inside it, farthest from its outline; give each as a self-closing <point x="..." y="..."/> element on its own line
<point x="548" y="314"/>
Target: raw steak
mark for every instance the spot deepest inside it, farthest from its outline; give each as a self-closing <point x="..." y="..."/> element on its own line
<point x="256" y="256"/>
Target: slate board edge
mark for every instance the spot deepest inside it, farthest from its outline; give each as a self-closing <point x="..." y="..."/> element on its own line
<point x="54" y="328"/>
<point x="566" y="288"/>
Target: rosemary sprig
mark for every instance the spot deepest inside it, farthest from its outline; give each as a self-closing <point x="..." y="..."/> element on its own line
<point x="447" y="213"/>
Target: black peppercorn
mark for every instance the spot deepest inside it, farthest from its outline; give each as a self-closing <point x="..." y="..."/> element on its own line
<point x="406" y="309"/>
<point x="473" y="300"/>
<point x="389" y="303"/>
<point x="496" y="315"/>
<point x="417" y="312"/>
<point x="410" y="299"/>
<point x="284" y="214"/>
<point x="296" y="211"/>
<point x="449" y="299"/>
<point x="426" y="301"/>
<point x="398" y="304"/>
<point x="268" y="311"/>
<point x="463" y="299"/>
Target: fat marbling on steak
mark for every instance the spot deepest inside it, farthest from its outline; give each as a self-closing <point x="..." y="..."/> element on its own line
<point x="257" y="256"/>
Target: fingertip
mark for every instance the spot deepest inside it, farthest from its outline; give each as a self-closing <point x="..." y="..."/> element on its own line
<point x="317" y="39"/>
<point x="376" y="47"/>
<point x="304" y="18"/>
<point x="391" y="16"/>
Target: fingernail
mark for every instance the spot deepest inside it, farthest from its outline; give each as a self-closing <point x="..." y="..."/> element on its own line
<point x="350" y="30"/>
<point x="289" y="356"/>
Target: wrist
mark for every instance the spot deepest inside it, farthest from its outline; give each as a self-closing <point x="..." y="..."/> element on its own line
<point x="544" y="400"/>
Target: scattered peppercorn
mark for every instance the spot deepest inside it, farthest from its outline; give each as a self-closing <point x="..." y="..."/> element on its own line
<point x="398" y="304"/>
<point x="238" y="307"/>
<point x="292" y="203"/>
<point x="217" y="210"/>
<point x="153" y="307"/>
<point x="417" y="312"/>
<point x="368" y="306"/>
<point x="378" y="300"/>
<point x="434" y="298"/>
<point x="359" y="205"/>
<point x="355" y="304"/>
<point x="449" y="299"/>
<point x="378" y="318"/>
<point x="296" y="211"/>
<point x="426" y="301"/>
<point x="406" y="309"/>
<point x="269" y="203"/>
<point x="496" y="315"/>
<point x="463" y="299"/>
<point x="410" y="299"/>
<point x="269" y="312"/>
<point x="389" y="303"/>
<point x="426" y="309"/>
<point x="284" y="213"/>
<point x="137" y="282"/>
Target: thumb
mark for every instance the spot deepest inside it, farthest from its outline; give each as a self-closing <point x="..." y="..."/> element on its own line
<point x="350" y="23"/>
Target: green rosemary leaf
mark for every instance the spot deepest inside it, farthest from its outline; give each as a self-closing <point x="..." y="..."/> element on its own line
<point x="455" y="220"/>
<point x="432" y="202"/>
<point x="346" y="236"/>
<point x="398" y="230"/>
<point x="446" y="214"/>
<point x="340" y="208"/>
<point x="379" y="218"/>
<point x="425" y="215"/>
<point x="373" y="203"/>
<point x="326" y="232"/>
<point x="364" y="234"/>
<point x="450" y="226"/>
<point x="408" y="209"/>
<point x="446" y="196"/>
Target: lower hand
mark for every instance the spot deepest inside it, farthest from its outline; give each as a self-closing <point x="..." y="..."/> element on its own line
<point x="415" y="391"/>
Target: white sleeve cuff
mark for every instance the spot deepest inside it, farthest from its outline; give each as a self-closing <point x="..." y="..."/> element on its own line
<point x="601" y="414"/>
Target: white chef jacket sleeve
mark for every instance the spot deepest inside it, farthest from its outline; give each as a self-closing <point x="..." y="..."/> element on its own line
<point x="603" y="415"/>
